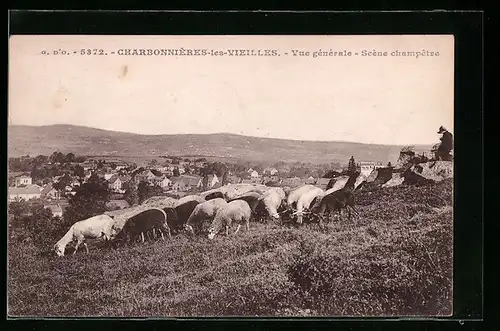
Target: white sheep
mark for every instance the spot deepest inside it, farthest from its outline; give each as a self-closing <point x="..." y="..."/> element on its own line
<point x="339" y="184"/>
<point x="294" y="195"/>
<point x="272" y="201"/>
<point x="187" y="198"/>
<point x="204" y="211"/>
<point x="237" y="211"/>
<point x="100" y="226"/>
<point x="305" y="200"/>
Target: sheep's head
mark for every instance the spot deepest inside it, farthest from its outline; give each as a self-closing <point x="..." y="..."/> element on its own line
<point x="59" y="250"/>
<point x="211" y="233"/>
<point x="188" y="228"/>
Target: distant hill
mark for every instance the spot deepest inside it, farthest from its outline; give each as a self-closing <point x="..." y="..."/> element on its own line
<point x="34" y="140"/>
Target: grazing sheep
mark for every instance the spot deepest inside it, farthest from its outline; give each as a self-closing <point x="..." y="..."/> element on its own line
<point x="252" y="198"/>
<point x="172" y="219"/>
<point x="100" y="226"/>
<point x="233" y="191"/>
<point x="143" y="222"/>
<point x="336" y="184"/>
<point x="359" y="182"/>
<point x="273" y="199"/>
<point x="178" y="216"/>
<point x="237" y="211"/>
<point x="335" y="202"/>
<point x="204" y="211"/>
<point x="294" y="195"/>
<point x="305" y="200"/>
<point x="214" y="195"/>
<point x="190" y="198"/>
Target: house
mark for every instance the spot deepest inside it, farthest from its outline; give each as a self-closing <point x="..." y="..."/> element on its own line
<point x="121" y="165"/>
<point x="145" y="176"/>
<point x="270" y="178"/>
<point x="367" y="167"/>
<point x="233" y="179"/>
<point x="209" y="181"/>
<point x="254" y="174"/>
<point x="107" y="176"/>
<point x="116" y="183"/>
<point x="185" y="183"/>
<point x="311" y="180"/>
<point x="182" y="170"/>
<point x="23" y="180"/>
<point x="87" y="166"/>
<point x="322" y="182"/>
<point x="200" y="164"/>
<point x="270" y="171"/>
<point x="162" y="182"/>
<point x="55" y="209"/>
<point x="217" y="185"/>
<point x="48" y="192"/>
<point x="26" y="193"/>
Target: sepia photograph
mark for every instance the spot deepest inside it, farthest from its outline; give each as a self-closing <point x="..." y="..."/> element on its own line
<point x="230" y="176"/>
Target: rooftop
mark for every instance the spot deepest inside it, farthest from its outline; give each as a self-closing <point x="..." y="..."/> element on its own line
<point x="24" y="190"/>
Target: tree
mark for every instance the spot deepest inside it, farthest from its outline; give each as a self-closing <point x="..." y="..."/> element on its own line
<point x="57" y="157"/>
<point x="131" y="195"/>
<point x="70" y="157"/>
<point x="176" y="172"/>
<point x="145" y="191"/>
<point x="18" y="208"/>
<point x="389" y="165"/>
<point x="90" y="200"/>
<point x="351" y="167"/>
<point x="79" y="171"/>
<point x="40" y="160"/>
<point x="142" y="191"/>
<point x="62" y="183"/>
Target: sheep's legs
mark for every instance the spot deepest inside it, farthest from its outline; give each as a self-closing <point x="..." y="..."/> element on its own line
<point x="86" y="247"/>
<point x="154" y="233"/>
<point x="227" y="230"/>
<point x="142" y="237"/>
<point x="76" y="246"/>
<point x="248" y="226"/>
<point x="237" y="229"/>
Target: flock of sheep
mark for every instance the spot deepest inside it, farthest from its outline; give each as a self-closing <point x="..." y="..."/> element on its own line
<point x="233" y="204"/>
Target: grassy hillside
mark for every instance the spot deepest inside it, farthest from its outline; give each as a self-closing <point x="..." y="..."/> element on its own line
<point x="29" y="140"/>
<point x="395" y="259"/>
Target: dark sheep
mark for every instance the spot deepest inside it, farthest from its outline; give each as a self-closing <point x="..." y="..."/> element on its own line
<point x="178" y="216"/>
<point x="334" y="202"/>
<point x="143" y="222"/>
<point x="214" y="195"/>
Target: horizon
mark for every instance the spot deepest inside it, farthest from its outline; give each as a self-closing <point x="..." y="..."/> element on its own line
<point x="218" y="133"/>
<point x="381" y="100"/>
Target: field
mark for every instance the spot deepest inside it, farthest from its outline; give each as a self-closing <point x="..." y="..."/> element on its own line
<point x="395" y="259"/>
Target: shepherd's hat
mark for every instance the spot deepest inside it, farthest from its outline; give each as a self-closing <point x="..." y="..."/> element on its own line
<point x="442" y="129"/>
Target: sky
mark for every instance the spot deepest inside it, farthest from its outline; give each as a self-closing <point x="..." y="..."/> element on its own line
<point x="368" y="99"/>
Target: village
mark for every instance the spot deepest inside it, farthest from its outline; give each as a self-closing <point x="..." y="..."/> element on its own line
<point x="54" y="180"/>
